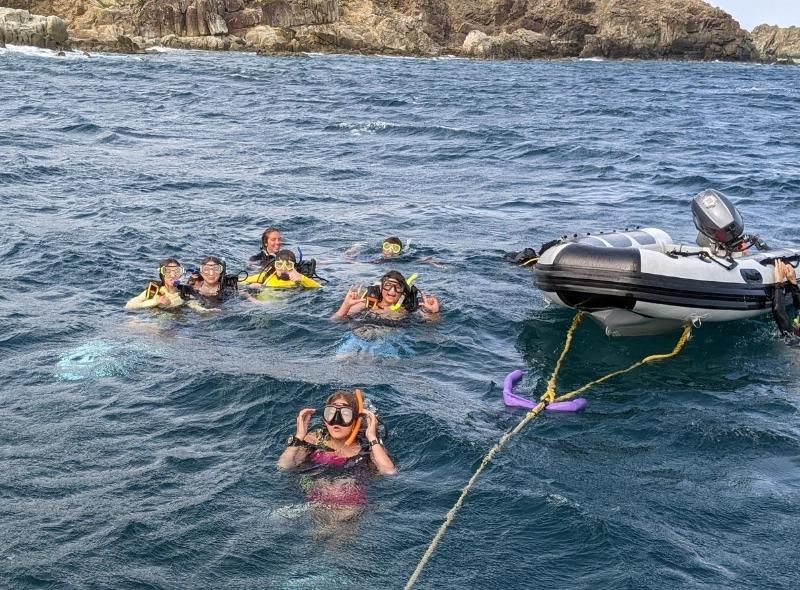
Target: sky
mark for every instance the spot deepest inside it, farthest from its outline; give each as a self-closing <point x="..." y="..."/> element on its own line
<point x="751" y="13"/>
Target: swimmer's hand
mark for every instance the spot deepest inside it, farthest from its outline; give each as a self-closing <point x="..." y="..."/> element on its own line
<point x="303" y="422"/>
<point x="354" y="297"/>
<point x="379" y="456"/>
<point x="785" y="272"/>
<point x="430" y="304"/>
<point x="295" y="276"/>
<point x="164" y="301"/>
<point x="372" y="425"/>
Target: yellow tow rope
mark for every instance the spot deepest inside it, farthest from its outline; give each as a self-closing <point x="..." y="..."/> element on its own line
<point x="548" y="397"/>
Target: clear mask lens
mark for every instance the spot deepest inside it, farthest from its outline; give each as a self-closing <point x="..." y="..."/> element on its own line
<point x="392" y="286"/>
<point x="338" y="416"/>
<point x="214" y="269"/>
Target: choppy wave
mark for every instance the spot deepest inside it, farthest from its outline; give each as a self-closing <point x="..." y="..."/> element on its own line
<point x="139" y="449"/>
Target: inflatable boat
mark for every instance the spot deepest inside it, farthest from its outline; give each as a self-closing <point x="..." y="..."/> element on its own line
<point x="640" y="282"/>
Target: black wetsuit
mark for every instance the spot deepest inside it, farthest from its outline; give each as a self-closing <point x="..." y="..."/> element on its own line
<point x="261" y="260"/>
<point x="785" y="325"/>
<point x="228" y="288"/>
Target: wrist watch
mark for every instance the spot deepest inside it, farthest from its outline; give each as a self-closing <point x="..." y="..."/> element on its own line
<point x="374" y="442"/>
<point x="293" y="441"/>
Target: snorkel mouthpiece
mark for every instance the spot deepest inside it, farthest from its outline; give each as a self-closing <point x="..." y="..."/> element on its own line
<point x="409" y="281"/>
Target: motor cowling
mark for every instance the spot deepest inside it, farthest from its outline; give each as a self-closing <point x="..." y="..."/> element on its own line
<point x="716" y="218"/>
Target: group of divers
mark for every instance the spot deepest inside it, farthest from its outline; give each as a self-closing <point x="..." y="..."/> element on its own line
<point x="350" y="443"/>
<point x="351" y="439"/>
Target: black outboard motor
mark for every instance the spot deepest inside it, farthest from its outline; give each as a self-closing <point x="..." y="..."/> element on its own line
<point x="717" y="220"/>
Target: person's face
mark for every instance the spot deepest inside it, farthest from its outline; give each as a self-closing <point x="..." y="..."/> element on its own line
<point x="273" y="242"/>
<point x="211" y="272"/>
<point x="391" y="291"/>
<point x="172" y="273"/>
<point x="390" y="250"/>
<point x="283" y="268"/>
<point x="339" y="411"/>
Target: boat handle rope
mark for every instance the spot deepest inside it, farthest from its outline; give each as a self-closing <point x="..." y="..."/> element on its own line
<point x="548" y="397"/>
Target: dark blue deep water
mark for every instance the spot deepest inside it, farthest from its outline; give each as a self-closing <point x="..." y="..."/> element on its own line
<point x="138" y="450"/>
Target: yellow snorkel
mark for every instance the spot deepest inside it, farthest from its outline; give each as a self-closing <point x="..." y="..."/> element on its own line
<point x="409" y="281"/>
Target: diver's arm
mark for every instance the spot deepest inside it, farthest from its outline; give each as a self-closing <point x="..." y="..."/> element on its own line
<point x="381" y="460"/>
<point x="293" y="456"/>
<point x="353" y="303"/>
<point x="795" y="291"/>
<point x="346" y="311"/>
<point x="142" y="301"/>
<point x="378" y="455"/>
<point x="429" y="308"/>
<point x="430" y="260"/>
<point x="308" y="282"/>
<point x="195" y="305"/>
<point x="779" y="311"/>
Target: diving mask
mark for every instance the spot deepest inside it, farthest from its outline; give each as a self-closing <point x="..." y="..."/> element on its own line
<point x="284" y="265"/>
<point x="212" y="268"/>
<point x="171" y="271"/>
<point x="338" y="416"/>
<point x="392" y="286"/>
<point x="391" y="248"/>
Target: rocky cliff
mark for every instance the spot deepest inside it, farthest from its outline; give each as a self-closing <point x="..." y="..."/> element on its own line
<point x="649" y="29"/>
<point x="20" y="27"/>
<point x="776" y="43"/>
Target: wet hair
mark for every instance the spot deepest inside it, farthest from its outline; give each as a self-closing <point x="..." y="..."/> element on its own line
<point x="164" y="263"/>
<point x="286" y="255"/>
<point x="266" y="234"/>
<point x="394" y="240"/>
<point x="342" y="394"/>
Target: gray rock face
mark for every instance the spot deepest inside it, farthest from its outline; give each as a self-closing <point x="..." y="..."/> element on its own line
<point x="776" y="43"/>
<point x="195" y="18"/>
<point x="199" y="18"/>
<point x="20" y="27"/>
<point x="294" y="13"/>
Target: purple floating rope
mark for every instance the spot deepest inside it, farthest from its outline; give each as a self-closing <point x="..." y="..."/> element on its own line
<point x="513" y="400"/>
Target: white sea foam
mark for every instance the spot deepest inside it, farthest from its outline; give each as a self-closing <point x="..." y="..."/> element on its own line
<point x="362" y="128"/>
<point x="40" y="52"/>
<point x="162" y="49"/>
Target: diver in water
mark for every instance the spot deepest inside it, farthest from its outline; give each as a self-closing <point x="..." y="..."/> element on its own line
<point x="167" y="293"/>
<point x="344" y="442"/>
<point x="341" y="453"/>
<point x="284" y="273"/>
<point x="786" y="280"/>
<point x="211" y="286"/>
<point x="270" y="246"/>
<point x="391" y="249"/>
<point x="393" y="297"/>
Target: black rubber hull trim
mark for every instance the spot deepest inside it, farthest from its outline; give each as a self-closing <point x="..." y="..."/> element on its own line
<point x="592" y="289"/>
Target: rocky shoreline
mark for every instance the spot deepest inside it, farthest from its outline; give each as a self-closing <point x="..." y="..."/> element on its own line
<point x="498" y="29"/>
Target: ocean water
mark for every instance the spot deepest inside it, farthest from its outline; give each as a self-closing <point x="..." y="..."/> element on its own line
<point x="138" y="450"/>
